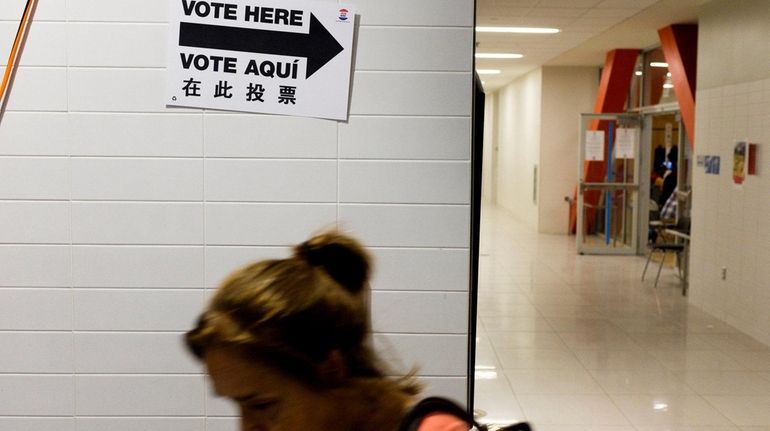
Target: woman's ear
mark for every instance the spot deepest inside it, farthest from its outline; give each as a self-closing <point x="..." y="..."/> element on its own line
<point x="334" y="368"/>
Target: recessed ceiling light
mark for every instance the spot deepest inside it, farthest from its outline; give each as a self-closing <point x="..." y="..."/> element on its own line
<point x="500" y="55"/>
<point x="638" y="73"/>
<point x="488" y="71"/>
<point x="536" y="30"/>
<point x="658" y="64"/>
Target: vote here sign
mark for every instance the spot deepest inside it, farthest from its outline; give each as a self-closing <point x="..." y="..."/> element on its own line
<point x="287" y="57"/>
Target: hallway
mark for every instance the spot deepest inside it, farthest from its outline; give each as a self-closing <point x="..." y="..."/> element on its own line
<point x="573" y="342"/>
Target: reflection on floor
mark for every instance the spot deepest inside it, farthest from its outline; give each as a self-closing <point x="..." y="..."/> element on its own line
<point x="573" y="342"/>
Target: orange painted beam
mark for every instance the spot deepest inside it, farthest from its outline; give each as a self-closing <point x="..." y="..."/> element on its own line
<point x="613" y="91"/>
<point x="679" y="43"/>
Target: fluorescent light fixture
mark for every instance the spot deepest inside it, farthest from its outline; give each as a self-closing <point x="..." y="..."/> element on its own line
<point x="668" y="85"/>
<point x="638" y="73"/>
<point x="660" y="406"/>
<point x="488" y="71"/>
<point x="500" y="55"/>
<point x="533" y="30"/>
<point x="658" y="64"/>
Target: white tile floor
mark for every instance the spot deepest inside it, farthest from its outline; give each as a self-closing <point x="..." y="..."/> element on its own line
<point x="567" y="341"/>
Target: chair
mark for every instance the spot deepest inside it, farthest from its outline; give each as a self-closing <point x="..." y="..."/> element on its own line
<point x="665" y="247"/>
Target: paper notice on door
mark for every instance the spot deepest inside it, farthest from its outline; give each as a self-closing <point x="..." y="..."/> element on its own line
<point x="625" y="143"/>
<point x="595" y="145"/>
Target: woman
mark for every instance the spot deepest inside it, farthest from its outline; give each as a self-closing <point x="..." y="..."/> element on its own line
<point x="286" y="339"/>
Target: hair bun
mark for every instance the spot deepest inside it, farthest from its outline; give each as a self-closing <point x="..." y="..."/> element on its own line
<point x="341" y="256"/>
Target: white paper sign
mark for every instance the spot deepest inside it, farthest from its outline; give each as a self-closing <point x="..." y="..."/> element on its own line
<point x="595" y="145"/>
<point x="288" y="57"/>
<point x="625" y="143"/>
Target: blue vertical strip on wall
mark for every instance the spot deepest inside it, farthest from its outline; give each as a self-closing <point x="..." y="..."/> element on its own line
<point x="608" y="193"/>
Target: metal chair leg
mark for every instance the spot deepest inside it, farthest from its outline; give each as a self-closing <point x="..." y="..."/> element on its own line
<point x="662" y="261"/>
<point x="649" y="256"/>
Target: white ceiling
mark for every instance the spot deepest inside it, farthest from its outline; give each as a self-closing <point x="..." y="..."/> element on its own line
<point x="589" y="28"/>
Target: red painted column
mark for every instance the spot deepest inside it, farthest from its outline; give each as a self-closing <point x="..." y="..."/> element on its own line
<point x="613" y="92"/>
<point x="680" y="47"/>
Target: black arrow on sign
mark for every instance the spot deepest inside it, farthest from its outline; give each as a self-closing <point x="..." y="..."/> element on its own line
<point x="318" y="46"/>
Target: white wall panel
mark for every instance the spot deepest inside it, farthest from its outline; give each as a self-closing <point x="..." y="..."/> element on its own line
<point x="408" y="225"/>
<point x="148" y="135"/>
<point x="136" y="310"/>
<point x="46" y="10"/>
<point x="38" y="352"/>
<point x="34" y="222"/>
<point x="116" y="45"/>
<point x="136" y="179"/>
<point x="38" y="424"/>
<point x="34" y="178"/>
<point x="438" y="138"/>
<point x="422" y="13"/>
<point x="134" y="353"/>
<point x="36" y="395"/>
<point x="405" y="182"/>
<point x="223" y="424"/>
<point x="35" y="309"/>
<point x="38" y="89"/>
<point x="118" y="90"/>
<point x="141" y="424"/>
<point x="35" y="266"/>
<point x="33" y="134"/>
<point x="417" y="93"/>
<point x="426" y="352"/>
<point x="114" y="10"/>
<point x="45" y="44"/>
<point x="429" y="312"/>
<point x="292" y="180"/>
<point x="420" y="269"/>
<point x="383" y="48"/>
<point x="266" y="224"/>
<point x="221" y="261"/>
<point x="137" y="223"/>
<point x="139" y="395"/>
<point x="137" y="266"/>
<point x="230" y="135"/>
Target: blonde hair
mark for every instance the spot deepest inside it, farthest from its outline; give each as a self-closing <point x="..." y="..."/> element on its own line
<point x="295" y="313"/>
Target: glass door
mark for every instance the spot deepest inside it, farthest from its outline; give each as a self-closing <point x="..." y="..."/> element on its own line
<point x="608" y="188"/>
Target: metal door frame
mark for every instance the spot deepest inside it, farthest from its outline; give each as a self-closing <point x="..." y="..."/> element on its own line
<point x="585" y="120"/>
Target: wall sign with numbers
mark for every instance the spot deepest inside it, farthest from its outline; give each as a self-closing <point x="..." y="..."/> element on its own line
<point x="286" y="57"/>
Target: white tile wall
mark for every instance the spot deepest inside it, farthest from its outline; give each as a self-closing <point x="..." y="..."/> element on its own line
<point x="46" y="41"/>
<point x="34" y="222"/>
<point x="437" y="138"/>
<point x="139" y="395"/>
<point x="31" y="134"/>
<point x="34" y="178"/>
<point x="136" y="310"/>
<point x="730" y="226"/>
<point x="31" y="82"/>
<point x="141" y="424"/>
<point x="137" y="179"/>
<point x="137" y="266"/>
<point x="133" y="353"/>
<point x="35" y="309"/>
<point x="37" y="352"/>
<point x="38" y="424"/>
<point x="137" y="223"/>
<point x="100" y="134"/>
<point x="118" y="215"/>
<point x="37" y="395"/>
<point x="421" y="269"/>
